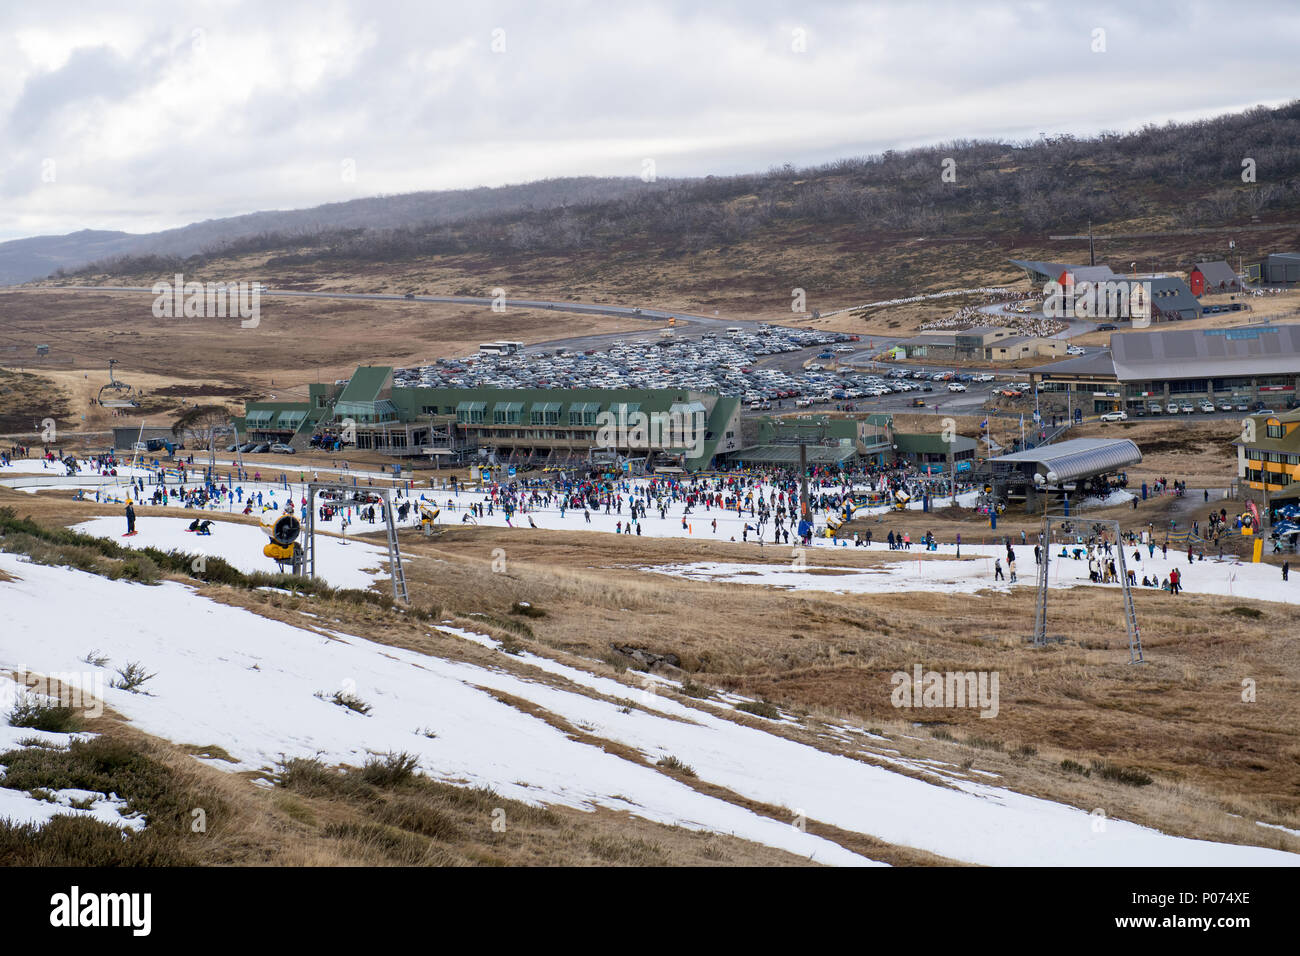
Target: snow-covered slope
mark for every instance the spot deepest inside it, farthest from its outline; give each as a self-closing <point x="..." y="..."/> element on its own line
<point x="339" y="562"/>
<point x="259" y="688"/>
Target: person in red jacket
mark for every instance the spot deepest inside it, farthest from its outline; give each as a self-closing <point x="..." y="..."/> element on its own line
<point x="1175" y="581"/>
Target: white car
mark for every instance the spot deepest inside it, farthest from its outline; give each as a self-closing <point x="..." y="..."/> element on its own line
<point x="1172" y="408"/>
<point x="956" y="387"/>
<point x="1074" y="350"/>
<point x="1114" y="417"/>
<point x="1207" y="407"/>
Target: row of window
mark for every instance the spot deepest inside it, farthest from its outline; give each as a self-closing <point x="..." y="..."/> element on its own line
<point x="1268" y="477"/>
<point x="1279" y="457"/>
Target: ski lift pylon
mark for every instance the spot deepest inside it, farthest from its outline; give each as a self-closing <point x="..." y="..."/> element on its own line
<point x="117" y="394"/>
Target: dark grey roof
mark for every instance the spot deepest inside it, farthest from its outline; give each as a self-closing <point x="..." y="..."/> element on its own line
<point x="1171" y="294"/>
<point x="1094" y="363"/>
<point x="1039" y="271"/>
<point x="1179" y="353"/>
<point x="1218" y="275"/>
<point x="1078" y="457"/>
<point x="947" y="339"/>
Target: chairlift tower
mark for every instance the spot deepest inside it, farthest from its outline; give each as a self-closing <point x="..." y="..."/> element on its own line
<point x="349" y="493"/>
<point x="1040" y="608"/>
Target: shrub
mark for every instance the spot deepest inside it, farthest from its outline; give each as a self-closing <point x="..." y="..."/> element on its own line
<point x="759" y="708"/>
<point x="524" y="609"/>
<point x="390" y="769"/>
<point x="131" y="677"/>
<point x="692" y="689"/>
<point x="39" y="713"/>
<point x="676" y="766"/>
<point x="351" y="702"/>
<point x="1128" y="776"/>
<point x="941" y="734"/>
<point x="1073" y="766"/>
<point x="1250" y="612"/>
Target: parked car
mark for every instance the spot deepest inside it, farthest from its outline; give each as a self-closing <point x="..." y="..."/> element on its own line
<point x="1108" y="327"/>
<point x="1207" y="407"/>
<point x="1172" y="408"/>
<point x="1140" y="411"/>
<point x="1114" y="417"/>
<point x="956" y="387"/>
<point x="1187" y="408"/>
<point x="1260" y="407"/>
<point x="1154" y="408"/>
<point x="280" y="448"/>
<point x="1225" y="406"/>
<point x="1242" y="406"/>
<point x="262" y="449"/>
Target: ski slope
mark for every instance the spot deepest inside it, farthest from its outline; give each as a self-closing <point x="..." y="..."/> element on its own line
<point x="342" y="563"/>
<point x="258" y="688"/>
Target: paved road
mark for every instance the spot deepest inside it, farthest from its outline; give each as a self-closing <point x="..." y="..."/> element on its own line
<point x="627" y="311"/>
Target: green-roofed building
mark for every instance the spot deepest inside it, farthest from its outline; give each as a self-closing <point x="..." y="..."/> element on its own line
<point x="651" y="428"/>
<point x="929" y="451"/>
<point x="829" y="441"/>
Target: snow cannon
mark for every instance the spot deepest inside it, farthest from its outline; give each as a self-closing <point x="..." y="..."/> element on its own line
<point x="901" y="498"/>
<point x="283" y="530"/>
<point x="280" y="553"/>
<point x="281" y="527"/>
<point x="429" y="513"/>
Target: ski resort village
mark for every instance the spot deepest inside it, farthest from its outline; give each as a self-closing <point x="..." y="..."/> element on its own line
<point x="937" y="506"/>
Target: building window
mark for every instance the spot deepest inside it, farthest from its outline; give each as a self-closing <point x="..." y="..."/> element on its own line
<point x="1275" y="429"/>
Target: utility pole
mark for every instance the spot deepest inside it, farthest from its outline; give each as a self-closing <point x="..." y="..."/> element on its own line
<point x="1092" y="251"/>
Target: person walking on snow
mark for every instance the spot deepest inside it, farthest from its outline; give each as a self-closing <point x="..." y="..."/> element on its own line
<point x="130" y="517"/>
<point x="997" y="570"/>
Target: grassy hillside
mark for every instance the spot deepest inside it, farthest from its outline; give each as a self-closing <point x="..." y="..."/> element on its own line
<point x="852" y="230"/>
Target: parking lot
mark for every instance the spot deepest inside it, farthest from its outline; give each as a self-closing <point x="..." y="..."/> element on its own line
<point x="726" y="362"/>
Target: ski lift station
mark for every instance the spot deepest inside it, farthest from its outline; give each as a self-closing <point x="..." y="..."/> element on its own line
<point x="1079" y="464"/>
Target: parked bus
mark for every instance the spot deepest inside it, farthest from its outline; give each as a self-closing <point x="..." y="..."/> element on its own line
<point x="500" y="348"/>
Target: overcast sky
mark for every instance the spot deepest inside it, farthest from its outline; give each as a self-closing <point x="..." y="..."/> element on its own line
<point x="147" y="115"/>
